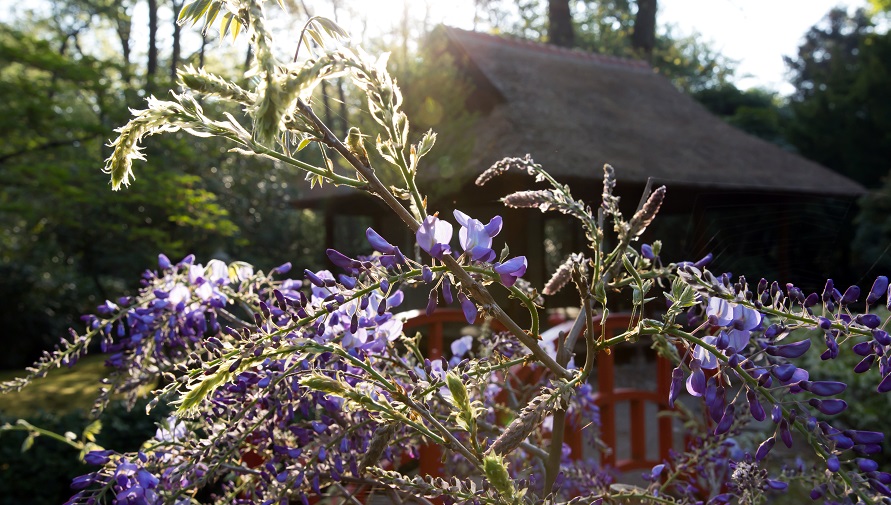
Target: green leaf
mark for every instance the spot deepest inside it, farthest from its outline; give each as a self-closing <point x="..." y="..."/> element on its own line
<point x="426" y="143"/>
<point x="303" y="143"/>
<point x="189" y="402"/>
<point x="92" y="430"/>
<point x="29" y="442"/>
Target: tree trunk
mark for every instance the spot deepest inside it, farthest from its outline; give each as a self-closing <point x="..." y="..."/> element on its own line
<point x="174" y="57"/>
<point x="560" y="31"/>
<point x="248" y="58"/>
<point x="643" y="39"/>
<point x="123" y="23"/>
<point x="203" y="47"/>
<point x="152" y="66"/>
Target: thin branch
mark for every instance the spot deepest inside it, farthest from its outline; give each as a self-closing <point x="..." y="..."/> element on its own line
<point x="52" y="144"/>
<point x="477" y="290"/>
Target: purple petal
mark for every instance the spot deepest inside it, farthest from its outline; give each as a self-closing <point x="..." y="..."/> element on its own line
<point x="480" y="253"/>
<point x="468" y="307"/>
<point x="696" y="380"/>
<point x="829" y="407"/>
<point x="431" y="302"/>
<point x="790" y="350"/>
<point x="764" y="448"/>
<point x="823" y="388"/>
<point x="461" y="217"/>
<point x="447" y="290"/>
<point x="677" y="379"/>
<point x="646" y="250"/>
<point x="378" y="242"/>
<point x="494" y="226"/>
<point x="878" y="289"/>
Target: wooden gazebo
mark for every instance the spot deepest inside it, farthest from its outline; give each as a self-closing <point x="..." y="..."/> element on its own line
<point x="574" y="111"/>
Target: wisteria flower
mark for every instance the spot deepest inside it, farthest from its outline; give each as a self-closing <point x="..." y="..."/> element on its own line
<point x="379" y="243"/>
<point x="739" y="321"/>
<point x="511" y="270"/>
<point x="725" y="313"/>
<point x="460" y="347"/>
<point x="735" y="339"/>
<point x="434" y="235"/>
<point x="476" y="238"/>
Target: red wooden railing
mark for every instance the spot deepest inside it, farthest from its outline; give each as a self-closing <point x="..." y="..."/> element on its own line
<point x="608" y="396"/>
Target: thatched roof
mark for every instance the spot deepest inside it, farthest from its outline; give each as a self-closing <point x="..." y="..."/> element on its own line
<point x="574" y="111"/>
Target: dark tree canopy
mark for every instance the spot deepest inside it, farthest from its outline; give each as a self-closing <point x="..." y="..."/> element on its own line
<point x="842" y="101"/>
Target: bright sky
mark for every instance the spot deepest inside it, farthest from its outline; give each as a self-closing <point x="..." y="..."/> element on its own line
<point x="756" y="33"/>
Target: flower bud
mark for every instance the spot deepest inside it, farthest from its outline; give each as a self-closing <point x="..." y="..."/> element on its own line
<point x="794" y="350"/>
<point x="776" y="414"/>
<point x="313" y="278"/>
<point x="755" y="407"/>
<point x="432" y="302"/>
<point x="863" y="348"/>
<point x="704" y="261"/>
<point x="764" y="448"/>
<point x="811" y="300"/>
<point x="828" y="407"/>
<point x="762" y="286"/>
<point x="378" y="242"/>
<point x="786" y="433"/>
<point x="469" y="308"/>
<point x="823" y="388"/>
<point x="865" y="437"/>
<point x="879" y="287"/>
<point x="726" y="421"/>
<point x="677" y="380"/>
<point x="827" y="291"/>
<point x="777" y="485"/>
<point x="868" y="449"/>
<point x="447" y="290"/>
<point x="879" y="487"/>
<point x="867" y="465"/>
<point x="833" y="464"/>
<point x="784" y="372"/>
<point x="871" y="321"/>
<point x="646" y="250"/>
<point x="852" y="294"/>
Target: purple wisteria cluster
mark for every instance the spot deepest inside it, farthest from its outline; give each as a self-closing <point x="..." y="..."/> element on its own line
<point x="288" y="398"/>
<point x="475" y="238"/>
<point x="743" y="368"/>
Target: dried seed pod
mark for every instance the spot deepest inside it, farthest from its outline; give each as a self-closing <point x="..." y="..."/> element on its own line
<point x="379" y="441"/>
<point x="529" y="419"/>
<point x="562" y="275"/>
<point x="647" y="213"/>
